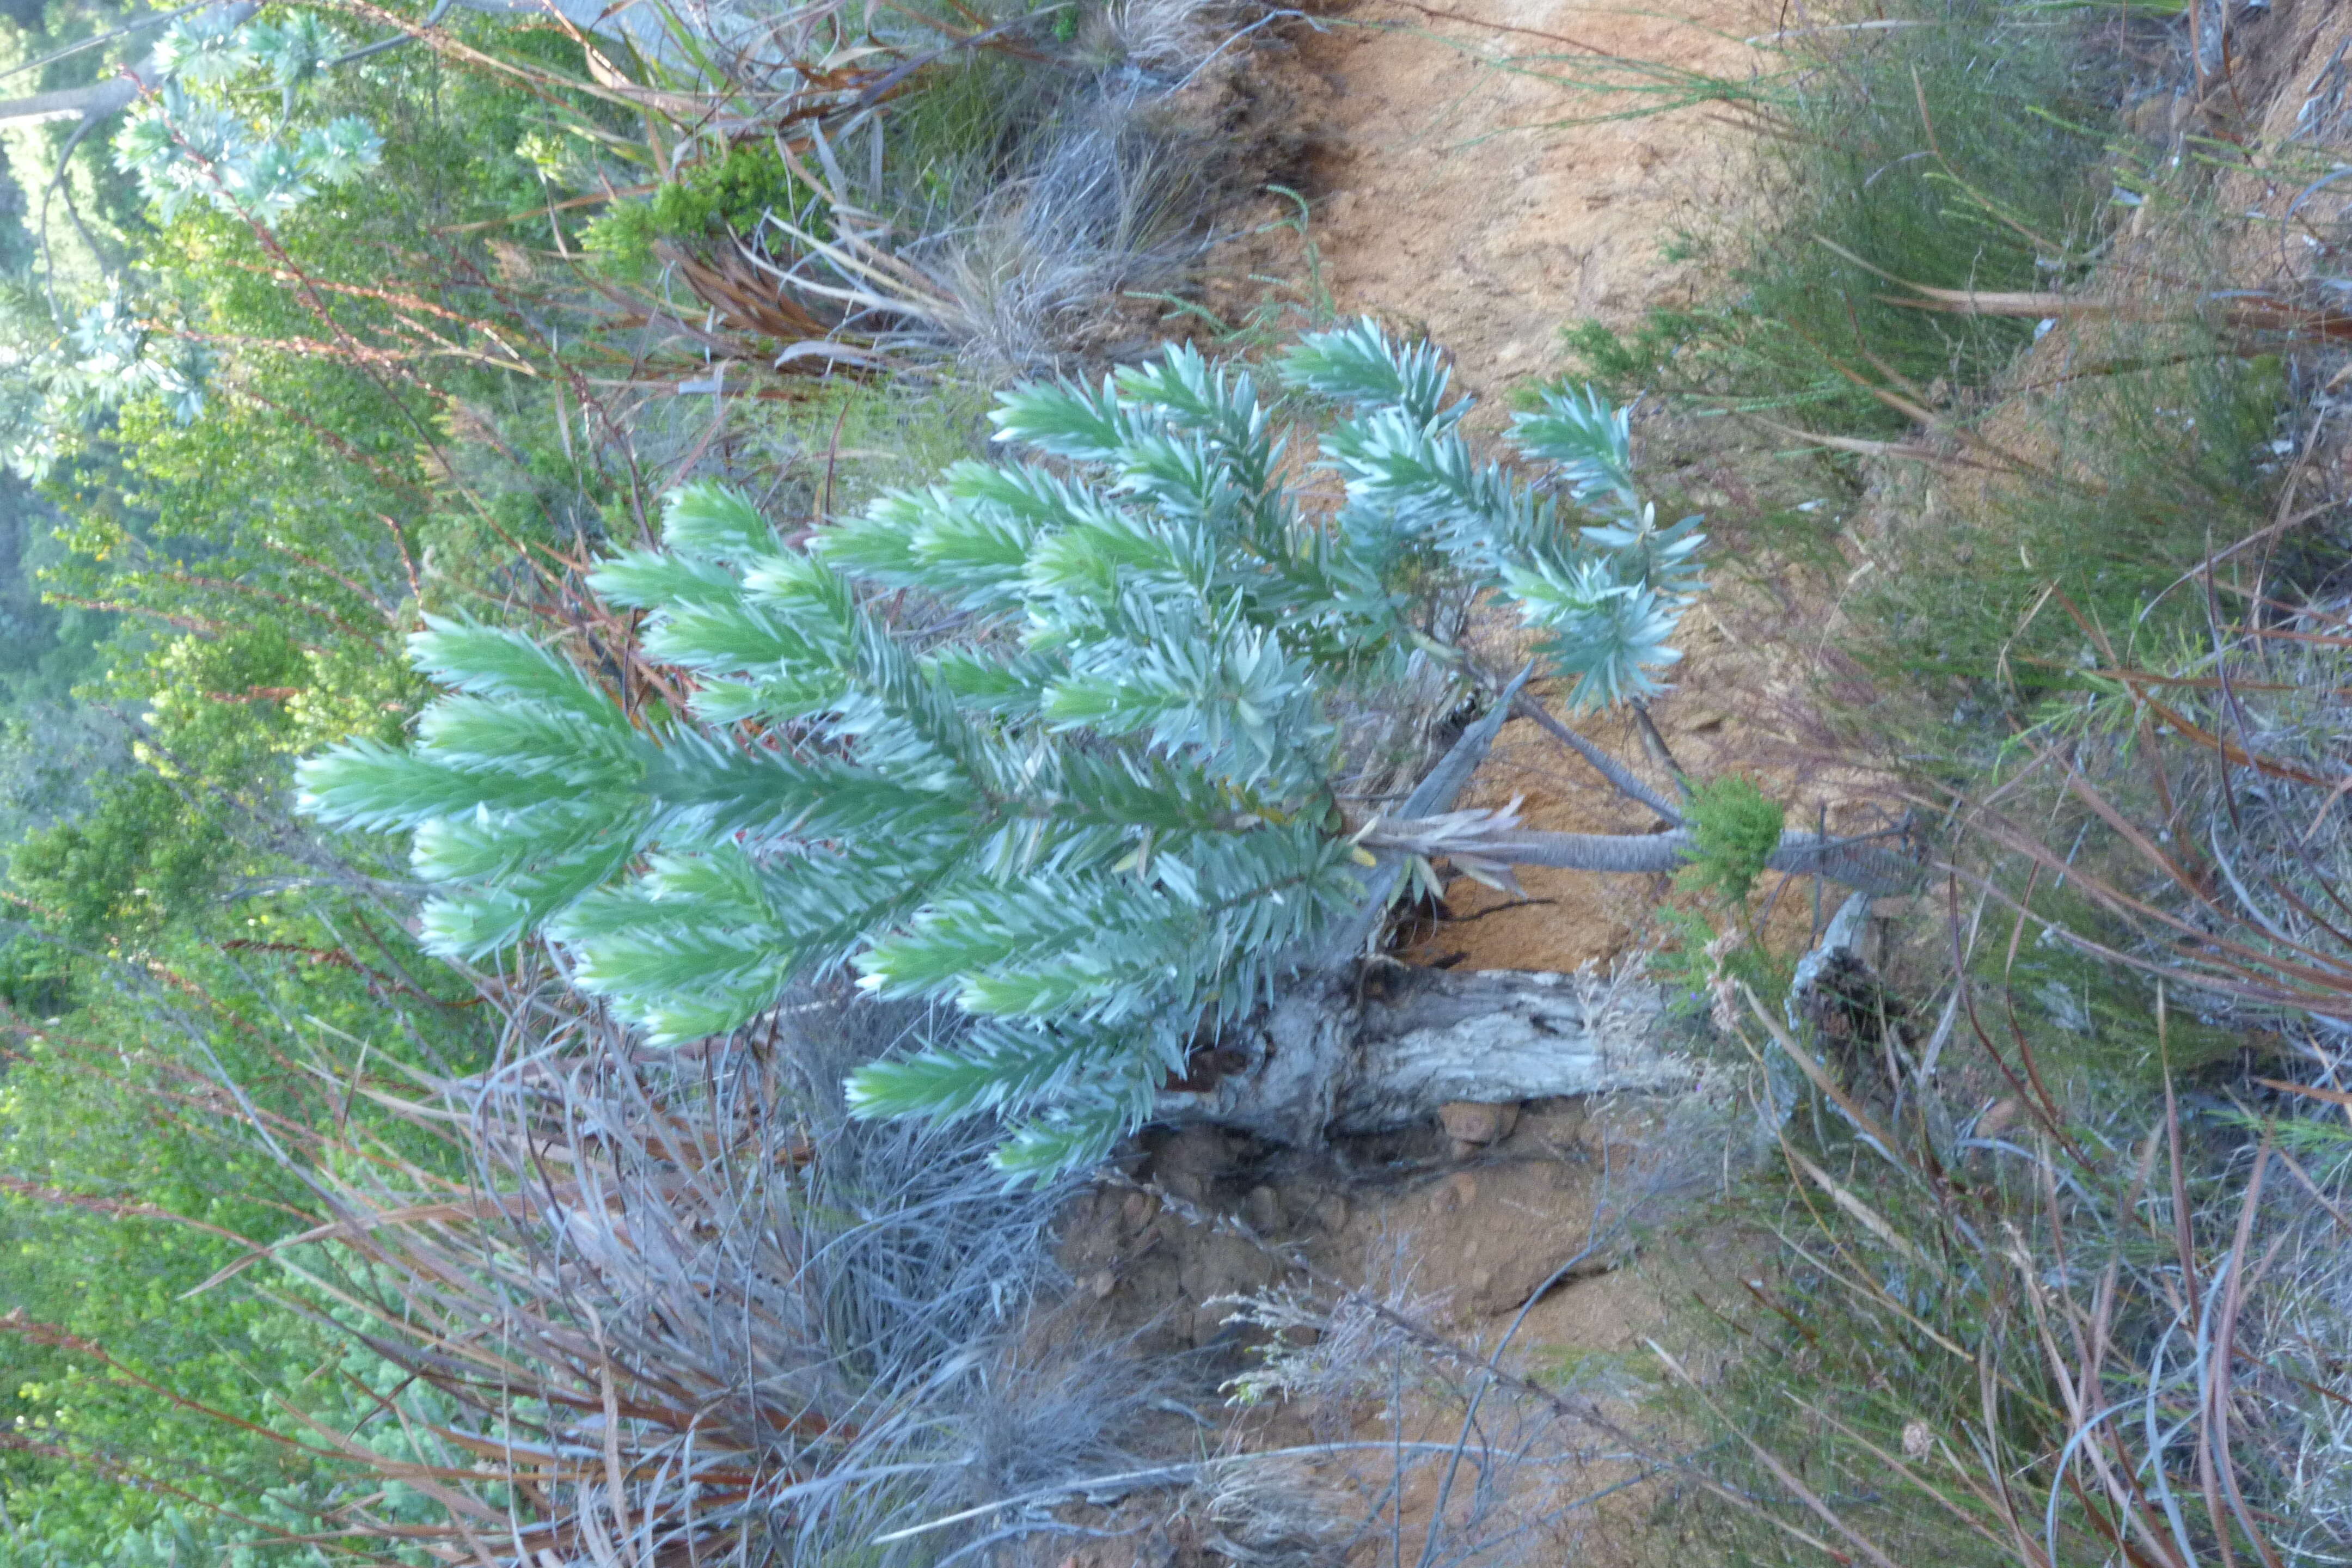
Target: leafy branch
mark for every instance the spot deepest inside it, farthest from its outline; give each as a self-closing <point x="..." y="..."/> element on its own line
<point x="1050" y="741"/>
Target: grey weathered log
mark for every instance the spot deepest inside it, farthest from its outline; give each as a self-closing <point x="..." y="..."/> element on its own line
<point x="1498" y="1036"/>
<point x="1322" y="1061"/>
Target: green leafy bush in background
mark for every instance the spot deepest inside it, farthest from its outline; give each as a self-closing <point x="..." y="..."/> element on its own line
<point x="732" y="192"/>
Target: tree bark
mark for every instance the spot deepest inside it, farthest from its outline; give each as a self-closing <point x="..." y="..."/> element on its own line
<point x="96" y="101"/>
<point x="1862" y="867"/>
<point x="103" y="100"/>
<point x="1324" y="1060"/>
<point x="1437" y="1036"/>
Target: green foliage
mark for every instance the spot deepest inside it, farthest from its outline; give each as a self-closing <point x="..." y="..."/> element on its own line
<point x="136" y="858"/>
<point x="1696" y="962"/>
<point x="1733" y="828"/>
<point x="732" y="192"/>
<point x="1960" y="147"/>
<point x="44" y="649"/>
<point x="168" y="930"/>
<point x="1974" y="144"/>
<point x="1639" y="357"/>
<point x="116" y="1129"/>
<point x="2141" y="473"/>
<point x="1050" y="741"/>
<point x="2090" y="1023"/>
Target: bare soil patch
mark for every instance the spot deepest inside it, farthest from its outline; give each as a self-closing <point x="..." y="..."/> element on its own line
<point x="1447" y="199"/>
<point x="1452" y="197"/>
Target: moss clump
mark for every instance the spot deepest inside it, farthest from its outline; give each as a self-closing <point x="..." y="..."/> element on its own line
<point x="715" y="197"/>
<point x="1734" y="828"/>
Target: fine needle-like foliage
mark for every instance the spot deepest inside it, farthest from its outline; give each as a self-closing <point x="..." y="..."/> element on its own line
<point x="1051" y="740"/>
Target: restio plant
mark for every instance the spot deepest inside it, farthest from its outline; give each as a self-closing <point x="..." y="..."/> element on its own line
<point x="1051" y="739"/>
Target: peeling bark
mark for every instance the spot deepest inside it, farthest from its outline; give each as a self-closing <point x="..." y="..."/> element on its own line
<point x="1498" y="1037"/>
<point x="1323" y="1062"/>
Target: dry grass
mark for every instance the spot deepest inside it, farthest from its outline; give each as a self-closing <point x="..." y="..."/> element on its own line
<point x="1000" y="239"/>
<point x="684" y="1310"/>
<point x="2030" y="1314"/>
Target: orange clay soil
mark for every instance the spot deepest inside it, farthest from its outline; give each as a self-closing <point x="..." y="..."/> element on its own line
<point x="1451" y="196"/>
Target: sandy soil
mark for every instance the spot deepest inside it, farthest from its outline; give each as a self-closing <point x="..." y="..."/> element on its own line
<point x="1452" y="197"/>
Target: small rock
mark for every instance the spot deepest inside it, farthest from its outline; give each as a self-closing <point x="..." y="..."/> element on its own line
<point x="1191" y="1161"/>
<point x="1102" y="1284"/>
<point x="1470" y="1121"/>
<point x="1331" y="1212"/>
<point x="1458" y="1190"/>
<point x="1139" y="1210"/>
<point x="1186" y="1186"/>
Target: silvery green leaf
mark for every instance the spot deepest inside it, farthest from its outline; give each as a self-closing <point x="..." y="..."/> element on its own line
<point x="207" y="49"/>
<point x="1589" y="443"/>
<point x="341" y="150"/>
<point x="1358" y="364"/>
<point x="266" y="182"/>
<point x="145" y="144"/>
<point x="295" y="50"/>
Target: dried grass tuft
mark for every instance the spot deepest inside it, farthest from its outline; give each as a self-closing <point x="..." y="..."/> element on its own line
<point x="682" y="1307"/>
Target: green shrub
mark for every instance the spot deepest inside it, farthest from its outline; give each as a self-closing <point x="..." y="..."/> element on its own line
<point x="1734" y="828"/>
<point x="137" y="857"/>
<point x="728" y="194"/>
<point x="2133" y="477"/>
<point x="1053" y="741"/>
<point x="1965" y="152"/>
